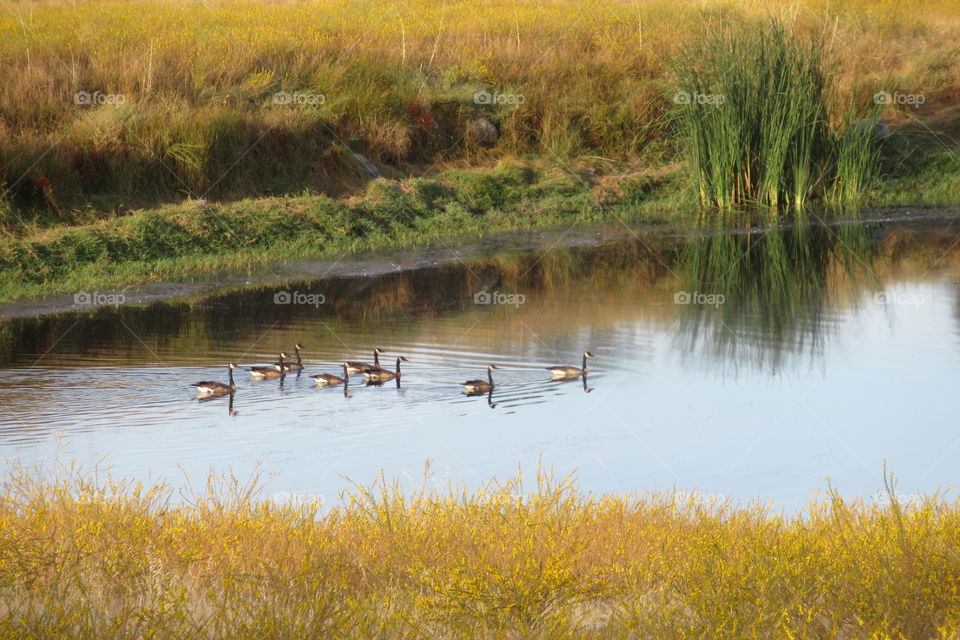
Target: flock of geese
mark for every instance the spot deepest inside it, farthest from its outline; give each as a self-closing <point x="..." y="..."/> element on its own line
<point x="372" y="374"/>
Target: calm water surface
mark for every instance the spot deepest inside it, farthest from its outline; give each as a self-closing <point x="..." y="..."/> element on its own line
<point x="752" y="365"/>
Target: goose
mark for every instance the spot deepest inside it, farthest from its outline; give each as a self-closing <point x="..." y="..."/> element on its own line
<point x="269" y="373"/>
<point x="329" y="380"/>
<point x="361" y="367"/>
<point x="477" y="387"/>
<point x="566" y="371"/>
<point x="296" y="367"/>
<point x="213" y="388"/>
<point x="379" y="374"/>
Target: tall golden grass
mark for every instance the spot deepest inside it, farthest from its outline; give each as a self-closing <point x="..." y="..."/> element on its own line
<point x="397" y="79"/>
<point x="83" y="556"/>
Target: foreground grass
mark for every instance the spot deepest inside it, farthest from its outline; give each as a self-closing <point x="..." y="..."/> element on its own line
<point x="89" y="557"/>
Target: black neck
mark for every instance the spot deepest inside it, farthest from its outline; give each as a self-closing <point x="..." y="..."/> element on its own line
<point x="230" y="375"/>
<point x="398" y="367"/>
<point x="584" y="367"/>
<point x="299" y="361"/>
<point x="282" y="372"/>
<point x="490" y="376"/>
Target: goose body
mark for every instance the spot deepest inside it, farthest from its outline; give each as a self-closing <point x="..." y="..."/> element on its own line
<point x="329" y="380"/>
<point x="379" y="374"/>
<point x="295" y="367"/>
<point x="561" y="371"/>
<point x="214" y="388"/>
<point x="355" y="366"/>
<point x="269" y="373"/>
<point x="477" y="387"/>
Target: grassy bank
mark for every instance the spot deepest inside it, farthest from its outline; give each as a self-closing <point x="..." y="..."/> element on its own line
<point x="82" y="557"/>
<point x="152" y="140"/>
<point x="199" y="237"/>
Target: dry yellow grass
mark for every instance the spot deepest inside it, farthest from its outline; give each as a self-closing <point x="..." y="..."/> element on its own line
<point x="87" y="557"/>
<point x="397" y="80"/>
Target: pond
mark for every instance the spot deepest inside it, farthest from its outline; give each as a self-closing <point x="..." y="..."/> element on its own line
<point x="750" y="365"/>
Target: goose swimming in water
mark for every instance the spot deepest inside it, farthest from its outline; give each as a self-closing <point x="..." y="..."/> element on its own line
<point x="360" y="367"/>
<point x="379" y="374"/>
<point x="561" y="371"/>
<point x="329" y="380"/>
<point x="477" y="387"/>
<point x="269" y="373"/>
<point x="214" y="388"/>
<point x="293" y="366"/>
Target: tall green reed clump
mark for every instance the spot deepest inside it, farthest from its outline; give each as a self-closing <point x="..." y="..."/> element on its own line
<point x="753" y="110"/>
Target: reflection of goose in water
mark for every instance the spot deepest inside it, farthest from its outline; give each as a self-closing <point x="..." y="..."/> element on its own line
<point x="293" y="366"/>
<point x="213" y="389"/>
<point x="329" y="380"/>
<point x="269" y="373"/>
<point x="566" y="372"/>
<point x="490" y="402"/>
<point x="354" y="366"/>
<point x="479" y="387"/>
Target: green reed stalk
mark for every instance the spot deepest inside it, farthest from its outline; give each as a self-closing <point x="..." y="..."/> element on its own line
<point x="753" y="110"/>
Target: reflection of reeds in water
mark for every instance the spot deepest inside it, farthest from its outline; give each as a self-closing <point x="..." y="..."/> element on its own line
<point x="766" y="297"/>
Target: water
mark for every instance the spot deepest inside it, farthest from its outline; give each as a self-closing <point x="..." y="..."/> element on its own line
<point x="749" y="366"/>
